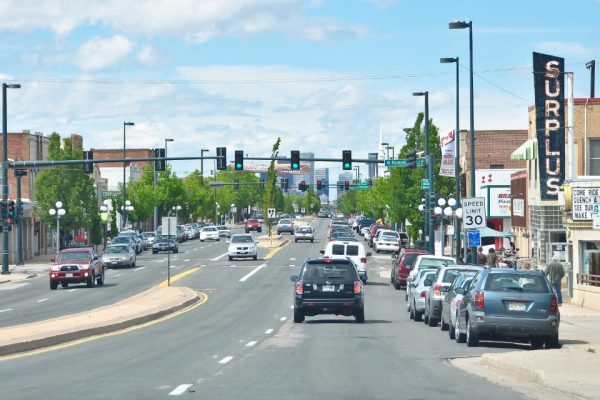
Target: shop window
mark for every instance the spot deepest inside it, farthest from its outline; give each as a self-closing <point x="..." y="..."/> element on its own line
<point x="594" y="165"/>
<point x="590" y="267"/>
<point x="558" y="237"/>
<point x="497" y="166"/>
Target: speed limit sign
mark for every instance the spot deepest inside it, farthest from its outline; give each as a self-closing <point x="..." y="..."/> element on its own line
<point x="473" y="213"/>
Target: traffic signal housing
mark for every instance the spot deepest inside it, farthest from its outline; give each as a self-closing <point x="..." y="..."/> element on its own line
<point x="221" y="158"/>
<point x="239" y="160"/>
<point x="88" y="167"/>
<point x="411" y="159"/>
<point x="302" y="186"/>
<point x="295" y="160"/>
<point x="159" y="165"/>
<point x="347" y="160"/>
<point x="12" y="212"/>
<point x="347" y="185"/>
<point x="319" y="185"/>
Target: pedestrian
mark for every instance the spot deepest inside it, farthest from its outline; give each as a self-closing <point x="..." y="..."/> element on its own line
<point x="492" y="258"/>
<point x="555" y="272"/>
<point x="481" y="258"/>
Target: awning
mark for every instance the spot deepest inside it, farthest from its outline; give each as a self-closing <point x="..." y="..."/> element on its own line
<point x="489" y="232"/>
<point x="526" y="151"/>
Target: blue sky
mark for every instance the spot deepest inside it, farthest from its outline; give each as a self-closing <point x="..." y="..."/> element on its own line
<point x="321" y="74"/>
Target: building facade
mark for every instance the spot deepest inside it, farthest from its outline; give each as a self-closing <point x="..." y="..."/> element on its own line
<point x="322" y="174"/>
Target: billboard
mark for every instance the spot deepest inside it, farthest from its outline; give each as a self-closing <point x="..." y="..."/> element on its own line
<point x="549" y="85"/>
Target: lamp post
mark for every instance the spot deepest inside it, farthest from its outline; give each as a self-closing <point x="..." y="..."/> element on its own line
<point x="176" y="209"/>
<point x="449" y="60"/>
<point x="125" y="125"/>
<point x="429" y="160"/>
<point x="107" y="208"/>
<point x="57" y="212"/>
<point x="127" y="208"/>
<point x="443" y="212"/>
<point x="5" y="175"/>
<point x="202" y="151"/>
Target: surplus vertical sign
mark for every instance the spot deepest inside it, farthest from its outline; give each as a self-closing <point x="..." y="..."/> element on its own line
<point x="549" y="79"/>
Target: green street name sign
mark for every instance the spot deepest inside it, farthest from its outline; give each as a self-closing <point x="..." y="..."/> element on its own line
<point x="401" y="162"/>
<point x="360" y="186"/>
<point x="425" y="184"/>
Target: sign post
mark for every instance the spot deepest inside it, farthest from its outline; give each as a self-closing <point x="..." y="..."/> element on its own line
<point x="473" y="218"/>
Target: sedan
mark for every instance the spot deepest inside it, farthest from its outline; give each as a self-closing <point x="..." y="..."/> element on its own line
<point x="386" y="243"/>
<point x="209" y="233"/>
<point x="452" y="300"/>
<point x="166" y="243"/>
<point x="304" y="233"/>
<point x="224" y="231"/>
<point x="508" y="305"/>
<point x="242" y="246"/>
<point x="119" y="255"/>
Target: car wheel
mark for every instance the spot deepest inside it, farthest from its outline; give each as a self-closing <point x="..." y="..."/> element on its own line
<point x="451" y="331"/>
<point x="458" y="336"/>
<point x="154" y="252"/>
<point x="64" y="284"/>
<point x="53" y="285"/>
<point x="551" y="342"/>
<point x="536" y="343"/>
<point x="260" y="230"/>
<point x="134" y="261"/>
<point x="312" y="240"/>
<point x="91" y="280"/>
<point x="444" y="326"/>
<point x="431" y="322"/>
<point x="295" y="240"/>
<point x="230" y="258"/>
<point x="397" y="285"/>
<point x="218" y="240"/>
<point x="472" y="339"/>
<point x="359" y="316"/>
<point x="101" y="278"/>
<point x="425" y="316"/>
<point x="202" y="240"/>
<point x="247" y="231"/>
<point x="255" y="257"/>
<point x="411" y="312"/>
<point x="298" y="316"/>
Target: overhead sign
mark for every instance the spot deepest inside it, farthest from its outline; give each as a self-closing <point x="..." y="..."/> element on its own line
<point x="401" y="162"/>
<point x="549" y="85"/>
<point x="474" y="213"/>
<point x="271" y="212"/>
<point x="474" y="238"/>
<point x="583" y="201"/>
<point x="425" y="184"/>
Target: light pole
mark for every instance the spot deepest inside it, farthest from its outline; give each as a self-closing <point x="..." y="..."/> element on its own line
<point x="431" y="188"/>
<point x="57" y="212"/>
<point x="233" y="210"/>
<point x="202" y="151"/>
<point x="176" y="209"/>
<point x="357" y="169"/>
<point x="5" y="175"/>
<point x="442" y="211"/>
<point x="125" y="125"/>
<point x="106" y="208"/>
<point x="449" y="60"/>
<point x="126" y="208"/>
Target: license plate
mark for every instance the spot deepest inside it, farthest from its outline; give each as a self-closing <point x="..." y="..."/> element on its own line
<point x="242" y="252"/>
<point x="516" y="306"/>
<point x="328" y="288"/>
<point x="69" y="275"/>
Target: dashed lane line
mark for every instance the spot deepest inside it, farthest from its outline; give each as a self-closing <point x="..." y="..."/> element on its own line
<point x="6" y="310"/>
<point x="138" y="269"/>
<point x="219" y="257"/>
<point x="282" y="318"/>
<point x="226" y="360"/>
<point x="179" y="390"/>
<point x="249" y="274"/>
<point x="251" y="343"/>
<point x="42" y="300"/>
<point x="268" y="331"/>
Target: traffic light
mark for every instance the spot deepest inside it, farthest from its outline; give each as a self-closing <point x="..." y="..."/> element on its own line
<point x="347" y="160"/>
<point x="319" y="185"/>
<point x="159" y="165"/>
<point x="88" y="168"/>
<point x="347" y="185"/>
<point x="236" y="184"/>
<point x="295" y="160"/>
<point x="222" y="158"/>
<point x="239" y="160"/>
<point x="285" y="184"/>
<point x="20" y="172"/>
<point x="411" y="159"/>
<point x="302" y="186"/>
<point x="12" y="212"/>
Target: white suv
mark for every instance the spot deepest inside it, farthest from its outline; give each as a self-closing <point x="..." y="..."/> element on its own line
<point x="242" y="245"/>
<point x="354" y="251"/>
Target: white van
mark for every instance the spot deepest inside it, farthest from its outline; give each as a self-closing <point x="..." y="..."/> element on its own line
<point x="355" y="251"/>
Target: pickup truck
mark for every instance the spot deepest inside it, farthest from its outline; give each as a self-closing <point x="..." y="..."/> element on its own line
<point x="80" y="265"/>
<point x="285" y="225"/>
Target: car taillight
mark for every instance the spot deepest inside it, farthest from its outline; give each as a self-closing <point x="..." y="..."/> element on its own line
<point x="479" y="303"/>
<point x="299" y="288"/>
<point x="437" y="289"/>
<point x="553" y="304"/>
<point x="423" y="293"/>
<point x="357" y="287"/>
<point x="363" y="260"/>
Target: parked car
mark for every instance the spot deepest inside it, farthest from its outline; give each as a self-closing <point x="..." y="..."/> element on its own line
<point x="242" y="246"/>
<point x="252" y="224"/>
<point x="364" y="223"/>
<point x="166" y="243"/>
<point x="190" y="231"/>
<point x="509" y="305"/>
<point x="429" y="260"/>
<point x="322" y="214"/>
<point x="304" y="232"/>
<point x="224" y="231"/>
<point x="80" y="265"/>
<point x="149" y="238"/>
<point x="373" y="232"/>
<point x="402" y="265"/>
<point x="285" y="225"/>
<point x="386" y="243"/>
<point x="435" y="294"/>
<point x="119" y="255"/>
<point x="452" y="300"/>
<point x="328" y="286"/>
<point x="209" y="233"/>
<point x="354" y="251"/>
<point x="417" y="290"/>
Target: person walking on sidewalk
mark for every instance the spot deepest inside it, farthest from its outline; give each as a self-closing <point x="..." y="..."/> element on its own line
<point x="481" y="258"/>
<point x="492" y="258"/>
<point x="555" y="272"/>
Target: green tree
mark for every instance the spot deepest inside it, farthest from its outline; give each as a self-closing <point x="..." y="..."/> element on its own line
<point x="272" y="195"/>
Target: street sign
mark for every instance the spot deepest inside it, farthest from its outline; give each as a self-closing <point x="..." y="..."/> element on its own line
<point x="360" y="186"/>
<point x="169" y="226"/>
<point x="473" y="213"/>
<point x="271" y="212"/>
<point x="474" y="238"/>
<point x="596" y="217"/>
<point x="401" y="162"/>
<point x="216" y="184"/>
<point x="425" y="184"/>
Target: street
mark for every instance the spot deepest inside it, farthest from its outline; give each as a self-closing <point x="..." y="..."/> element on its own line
<point x="241" y="343"/>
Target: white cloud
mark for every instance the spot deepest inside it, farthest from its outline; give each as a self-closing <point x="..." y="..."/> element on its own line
<point x="564" y="48"/>
<point x="147" y="56"/>
<point x="101" y="53"/>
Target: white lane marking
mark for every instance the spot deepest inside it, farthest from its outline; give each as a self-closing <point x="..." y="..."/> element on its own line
<point x="268" y="331"/>
<point x="226" y="360"/>
<point x="179" y="390"/>
<point x="5" y="310"/>
<point x="255" y="270"/>
<point x="292" y="306"/>
<point x="292" y="259"/>
<point x="219" y="257"/>
<point x="138" y="269"/>
<point x="252" y="343"/>
<point x="41" y="300"/>
<point x="282" y="318"/>
<point x="196" y="249"/>
<point x="173" y="266"/>
<point x="117" y="275"/>
<point x="188" y="260"/>
<point x="72" y="290"/>
<point x="292" y="265"/>
<point x="203" y="265"/>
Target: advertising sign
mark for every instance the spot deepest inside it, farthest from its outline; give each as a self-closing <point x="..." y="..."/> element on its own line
<point x="549" y="85"/>
<point x="518" y="207"/>
<point x="499" y="202"/>
<point x="447" y="143"/>
<point x="583" y="202"/>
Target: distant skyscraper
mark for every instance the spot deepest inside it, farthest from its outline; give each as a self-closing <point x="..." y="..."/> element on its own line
<point x="322" y="174"/>
<point x="309" y="176"/>
<point x="373" y="166"/>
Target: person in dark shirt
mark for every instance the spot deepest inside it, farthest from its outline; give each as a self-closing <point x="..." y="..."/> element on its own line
<point x="481" y="258"/>
<point x="492" y="258"/>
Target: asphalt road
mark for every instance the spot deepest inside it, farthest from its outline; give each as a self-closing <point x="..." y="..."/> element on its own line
<point x="242" y="344"/>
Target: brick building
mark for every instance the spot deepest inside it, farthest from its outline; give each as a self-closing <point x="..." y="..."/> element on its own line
<point x="113" y="171"/>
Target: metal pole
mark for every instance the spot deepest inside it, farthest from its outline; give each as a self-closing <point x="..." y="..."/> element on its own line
<point x="19" y="217"/>
<point x="472" y="125"/>
<point x="124" y="198"/>
<point x="431" y="190"/>
<point x="457" y="226"/>
<point x="155" y="184"/>
<point x="57" y="232"/>
<point x="571" y="115"/>
<point x="591" y="65"/>
<point x="4" y="183"/>
<point x="442" y="233"/>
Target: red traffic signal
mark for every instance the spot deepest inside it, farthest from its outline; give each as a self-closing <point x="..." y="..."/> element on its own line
<point x="302" y="186"/>
<point x="346" y="185"/>
<point x="319" y="185"/>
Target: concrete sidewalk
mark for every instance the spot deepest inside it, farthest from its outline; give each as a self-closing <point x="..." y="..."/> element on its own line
<point x="569" y="372"/>
<point x="37" y="266"/>
<point x="143" y="307"/>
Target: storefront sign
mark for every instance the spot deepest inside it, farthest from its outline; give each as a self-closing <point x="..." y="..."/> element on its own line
<point x="549" y="85"/>
<point x="518" y="207"/>
<point x="583" y="200"/>
<point x="499" y="202"/>
<point x="447" y="144"/>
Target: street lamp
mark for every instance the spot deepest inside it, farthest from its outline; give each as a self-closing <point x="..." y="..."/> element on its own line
<point x="127" y="208"/>
<point x="106" y="208"/>
<point x="176" y="209"/>
<point x="429" y="160"/>
<point x="202" y="151"/>
<point x="5" y="175"/>
<point x="125" y="125"/>
<point x="57" y="212"/>
<point x="233" y="210"/>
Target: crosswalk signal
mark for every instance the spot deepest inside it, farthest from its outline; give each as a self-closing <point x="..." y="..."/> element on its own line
<point x="319" y="185"/>
<point x="221" y="158"/>
<point x="411" y="159"/>
<point x="88" y="168"/>
<point x="347" y="185"/>
<point x="347" y="160"/>
<point x="159" y="163"/>
<point x="295" y="160"/>
<point x="239" y="160"/>
<point x="302" y="186"/>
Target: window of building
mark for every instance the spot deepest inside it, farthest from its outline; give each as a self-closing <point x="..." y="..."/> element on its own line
<point x="497" y="166"/>
<point x="594" y="165"/>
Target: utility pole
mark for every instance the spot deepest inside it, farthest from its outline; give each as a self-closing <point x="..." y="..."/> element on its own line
<point x="591" y="65"/>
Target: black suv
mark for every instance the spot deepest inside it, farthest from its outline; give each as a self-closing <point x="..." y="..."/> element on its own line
<point x="328" y="286"/>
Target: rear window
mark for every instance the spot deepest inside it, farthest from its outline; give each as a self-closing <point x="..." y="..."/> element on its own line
<point x="516" y="283"/>
<point x="450" y="275"/>
<point x="433" y="262"/>
<point x="329" y="271"/>
<point x="352" y="250"/>
<point x="409" y="259"/>
<point x="337" y="249"/>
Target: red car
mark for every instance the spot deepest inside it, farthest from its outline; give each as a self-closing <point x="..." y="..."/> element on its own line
<point x="80" y="265"/>
<point x="402" y="265"/>
<point x="252" y="224"/>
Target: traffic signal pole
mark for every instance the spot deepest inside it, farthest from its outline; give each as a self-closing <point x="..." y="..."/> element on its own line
<point x="19" y="218"/>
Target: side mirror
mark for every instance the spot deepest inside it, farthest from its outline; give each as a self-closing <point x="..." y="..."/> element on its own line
<point x="411" y="284"/>
<point x="294" y="278"/>
<point x="460" y="291"/>
<point x="427" y="282"/>
<point x="322" y="251"/>
<point x="444" y="289"/>
<point x="369" y="254"/>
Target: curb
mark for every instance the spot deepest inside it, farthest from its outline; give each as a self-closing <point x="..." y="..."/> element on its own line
<point x="510" y="369"/>
<point x="85" y="333"/>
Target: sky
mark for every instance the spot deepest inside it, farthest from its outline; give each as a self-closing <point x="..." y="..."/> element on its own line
<point x="324" y="75"/>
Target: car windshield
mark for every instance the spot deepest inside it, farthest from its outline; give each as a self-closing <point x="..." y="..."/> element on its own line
<point x="252" y="221"/>
<point x="329" y="271"/>
<point x="305" y="229"/>
<point x="222" y="228"/>
<point x="166" y="237"/>
<point x="209" y="229"/>
<point x="74" y="256"/>
<point x="507" y="282"/>
<point x="116" y="249"/>
<point x="242" y="239"/>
